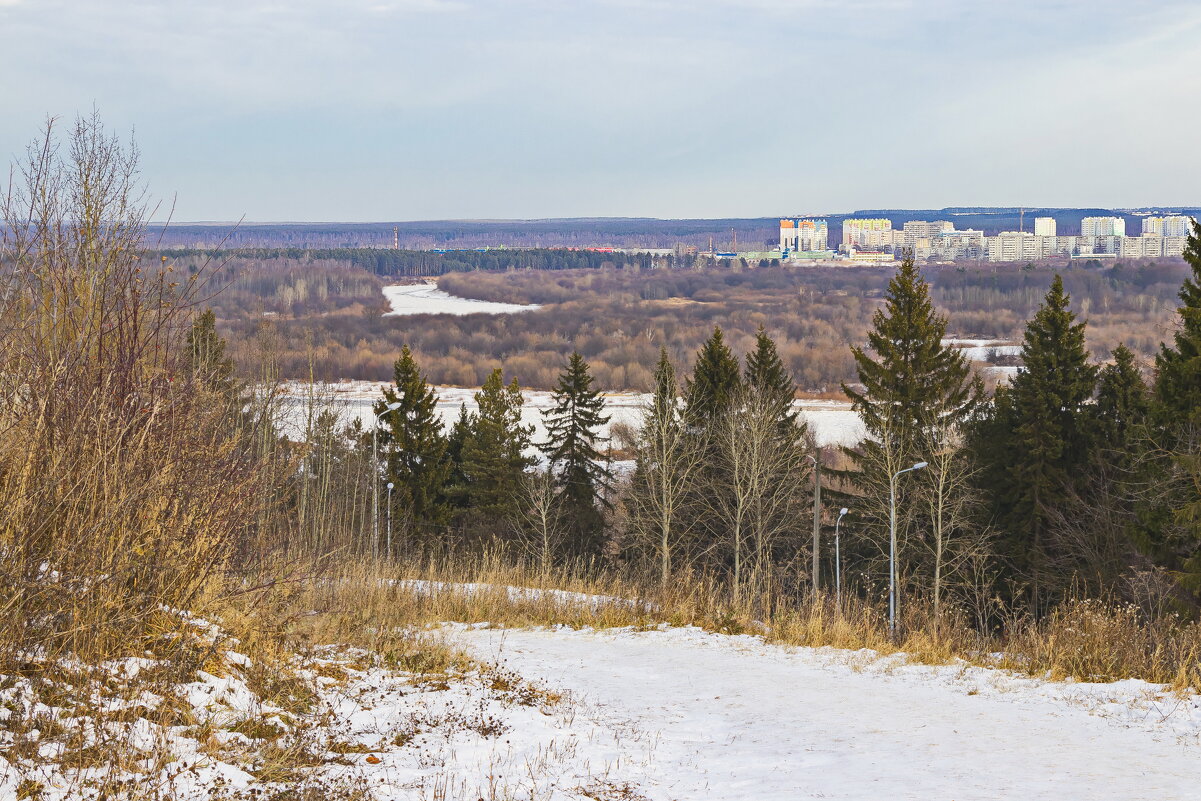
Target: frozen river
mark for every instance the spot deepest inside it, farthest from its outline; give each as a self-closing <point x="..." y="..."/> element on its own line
<point x="426" y="298"/>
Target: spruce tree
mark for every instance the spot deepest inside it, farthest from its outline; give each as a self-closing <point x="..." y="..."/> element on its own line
<point x="1034" y="441"/>
<point x="1123" y="401"/>
<point x="456" y="482"/>
<point x="913" y="383"/>
<point x="573" y="432"/>
<point x="1169" y="524"/>
<point x="714" y="384"/>
<point x="493" y="458"/>
<point x="1177" y="386"/>
<point x="766" y="374"/>
<point x="414" y="446"/>
<point x="916" y="392"/>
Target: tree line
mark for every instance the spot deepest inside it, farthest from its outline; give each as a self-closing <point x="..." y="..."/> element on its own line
<point x="1075" y="478"/>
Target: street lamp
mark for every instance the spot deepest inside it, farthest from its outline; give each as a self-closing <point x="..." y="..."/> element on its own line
<point x="838" y="559"/>
<point x="390" y="486"/>
<point x="892" y="547"/>
<point x="817" y="519"/>
<point x="388" y="409"/>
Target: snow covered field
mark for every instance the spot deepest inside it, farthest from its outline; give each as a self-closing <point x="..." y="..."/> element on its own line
<point x="426" y="298"/>
<point x="832" y="422"/>
<point x="720" y="717"/>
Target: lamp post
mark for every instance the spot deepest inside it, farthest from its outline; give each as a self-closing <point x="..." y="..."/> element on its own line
<point x="388" y="409"/>
<point x="817" y="520"/>
<point x="892" y="547"/>
<point x="390" y="486"/>
<point x="838" y="559"/>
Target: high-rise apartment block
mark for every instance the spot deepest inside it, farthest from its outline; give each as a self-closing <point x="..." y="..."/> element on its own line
<point x="1044" y="226"/>
<point x="1170" y="225"/>
<point x="804" y="236"/>
<point x="867" y="234"/>
<point x="920" y="229"/>
<point x="1102" y="226"/>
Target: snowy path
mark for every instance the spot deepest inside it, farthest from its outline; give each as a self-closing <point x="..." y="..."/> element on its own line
<point x="737" y="719"/>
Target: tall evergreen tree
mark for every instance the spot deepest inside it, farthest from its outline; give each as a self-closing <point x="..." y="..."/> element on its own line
<point x="715" y="382"/>
<point x="414" y="446"/>
<point x="916" y="391"/>
<point x="1123" y="402"/>
<point x="493" y="458"/>
<point x="766" y="373"/>
<point x="1177" y="386"/>
<point x="573" y="430"/>
<point x="455" y="441"/>
<point x="912" y="382"/>
<point x="1032" y="444"/>
<point x="1169" y="524"/>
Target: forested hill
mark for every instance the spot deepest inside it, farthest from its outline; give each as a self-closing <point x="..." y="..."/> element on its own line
<point x="749" y="233"/>
<point x="421" y="263"/>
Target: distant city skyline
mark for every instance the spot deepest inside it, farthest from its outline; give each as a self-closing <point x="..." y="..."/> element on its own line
<point x="377" y="110"/>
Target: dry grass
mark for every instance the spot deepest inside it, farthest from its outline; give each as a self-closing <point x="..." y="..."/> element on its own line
<point x="1085" y="640"/>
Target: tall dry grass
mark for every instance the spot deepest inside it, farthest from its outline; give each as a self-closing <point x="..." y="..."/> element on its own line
<point x="124" y="487"/>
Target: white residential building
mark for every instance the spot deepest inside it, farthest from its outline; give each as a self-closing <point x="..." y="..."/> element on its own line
<point x="1044" y="226"/>
<point x="1102" y="226"/>
<point x="1168" y="225"/>
<point x="867" y="234"/>
<point x="916" y="230"/>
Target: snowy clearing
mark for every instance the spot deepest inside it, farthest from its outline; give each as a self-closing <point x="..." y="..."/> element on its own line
<point x="426" y="298"/>
<point x="734" y="718"/>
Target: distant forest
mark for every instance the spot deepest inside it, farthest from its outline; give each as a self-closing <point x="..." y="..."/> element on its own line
<point x="322" y="316"/>
<point x="751" y="232"/>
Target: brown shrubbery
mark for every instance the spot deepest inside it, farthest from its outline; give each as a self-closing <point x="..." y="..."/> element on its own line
<point x="124" y="485"/>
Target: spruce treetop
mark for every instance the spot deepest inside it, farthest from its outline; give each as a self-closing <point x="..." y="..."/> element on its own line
<point x="714" y="383"/>
<point x="913" y="383"/>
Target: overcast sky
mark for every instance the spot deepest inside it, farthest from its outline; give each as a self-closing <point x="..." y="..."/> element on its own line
<point x="426" y="109"/>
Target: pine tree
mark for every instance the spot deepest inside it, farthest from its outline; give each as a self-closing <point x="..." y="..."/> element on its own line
<point x="493" y="458"/>
<point x="714" y="383"/>
<point x="573" y="431"/>
<point x="414" y="447"/>
<point x="1034" y="441"/>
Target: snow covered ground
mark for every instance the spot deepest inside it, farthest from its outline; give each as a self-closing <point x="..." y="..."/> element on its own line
<point x="666" y="714"/>
<point x="979" y="350"/>
<point x="734" y="718"/>
<point x="426" y="298"/>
